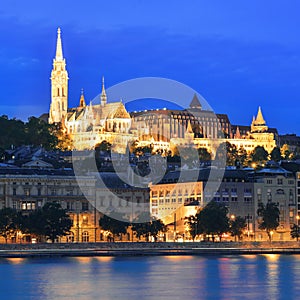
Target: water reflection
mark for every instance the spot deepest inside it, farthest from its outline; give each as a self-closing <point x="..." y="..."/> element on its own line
<point x="16" y="260"/>
<point x="149" y="278"/>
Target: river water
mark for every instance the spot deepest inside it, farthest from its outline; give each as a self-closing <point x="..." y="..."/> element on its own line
<point x="257" y="277"/>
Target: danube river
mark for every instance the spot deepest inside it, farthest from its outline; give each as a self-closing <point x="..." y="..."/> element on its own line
<point x="268" y="276"/>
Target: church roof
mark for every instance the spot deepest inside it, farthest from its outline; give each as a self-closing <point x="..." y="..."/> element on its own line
<point x="259" y="118"/>
<point x="195" y="103"/>
<point x="112" y="110"/>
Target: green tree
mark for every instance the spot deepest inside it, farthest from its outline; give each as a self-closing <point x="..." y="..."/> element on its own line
<point x="295" y="232"/>
<point x="259" y="155"/>
<point x="193" y="223"/>
<point x="50" y="221"/>
<point x="104" y="146"/>
<point x="61" y="139"/>
<point x="236" y="226"/>
<point x="242" y="156"/>
<point x="142" y="150"/>
<point x="276" y="154"/>
<point x="231" y="154"/>
<point x="269" y="215"/>
<point x="204" y="155"/>
<point x="146" y="226"/>
<point x="286" y="152"/>
<point x="113" y="224"/>
<point x="8" y="222"/>
<point x="213" y="219"/>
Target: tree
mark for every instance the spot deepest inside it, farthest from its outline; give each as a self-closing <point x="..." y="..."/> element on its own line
<point x="232" y="154"/>
<point x="213" y="219"/>
<point x="269" y="214"/>
<point x="38" y="133"/>
<point x="193" y="223"/>
<point x="286" y="152"/>
<point x="236" y="226"/>
<point x="62" y="140"/>
<point x="204" y="155"/>
<point x="276" y="154"/>
<point x="8" y="222"/>
<point x="295" y="232"/>
<point x="242" y="156"/>
<point x="145" y="225"/>
<point x="50" y="221"/>
<point x="104" y="146"/>
<point x="259" y="155"/>
<point x="113" y="224"/>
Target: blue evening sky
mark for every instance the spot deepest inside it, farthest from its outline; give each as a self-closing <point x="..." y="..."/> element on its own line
<point x="236" y="54"/>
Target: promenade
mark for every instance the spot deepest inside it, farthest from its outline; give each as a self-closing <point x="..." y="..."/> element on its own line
<point x="146" y="249"/>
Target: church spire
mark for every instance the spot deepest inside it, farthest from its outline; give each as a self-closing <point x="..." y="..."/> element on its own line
<point x="195" y="103"/>
<point x="59" y="53"/>
<point x="82" y="100"/>
<point x="259" y="118"/>
<point x="103" y="93"/>
<point x="259" y="123"/>
<point x="237" y="133"/>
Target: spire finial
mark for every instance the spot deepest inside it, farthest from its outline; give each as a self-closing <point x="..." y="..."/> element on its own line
<point x="59" y="54"/>
<point x="103" y="93"/>
<point x="103" y="86"/>
<point x="82" y="100"/>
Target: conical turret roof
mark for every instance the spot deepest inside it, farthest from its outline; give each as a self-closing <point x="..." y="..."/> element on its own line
<point x="195" y="103"/>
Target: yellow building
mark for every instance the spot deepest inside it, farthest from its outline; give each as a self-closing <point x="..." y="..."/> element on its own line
<point x="175" y="198"/>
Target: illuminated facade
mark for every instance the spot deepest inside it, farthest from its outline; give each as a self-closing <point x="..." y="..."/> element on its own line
<point x="172" y="201"/>
<point x="29" y="189"/>
<point x="276" y="185"/>
<point x="88" y="125"/>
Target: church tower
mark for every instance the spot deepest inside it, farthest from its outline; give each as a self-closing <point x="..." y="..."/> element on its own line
<point x="59" y="85"/>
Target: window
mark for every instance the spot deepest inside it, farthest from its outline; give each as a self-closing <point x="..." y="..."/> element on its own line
<point x="85" y="237"/>
<point x="269" y="181"/>
<point x="28" y="205"/>
<point x="69" y="192"/>
<point x="70" y="237"/>
<point x="26" y="191"/>
<point x="85" y="206"/>
<point x="247" y="199"/>
<point x="14" y="191"/>
<point x="279" y="181"/>
<point x="39" y="191"/>
<point x="280" y="192"/>
<point x="85" y="220"/>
